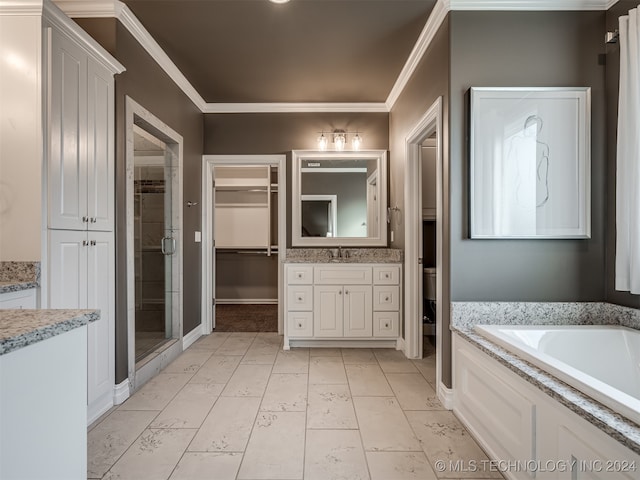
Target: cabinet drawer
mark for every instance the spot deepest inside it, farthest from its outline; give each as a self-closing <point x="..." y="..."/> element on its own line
<point x="386" y="275"/>
<point x="300" y="298"/>
<point x="385" y="324"/>
<point x="299" y="324"/>
<point x="299" y="274"/>
<point x="386" y="298"/>
<point x="18" y="300"/>
<point x="342" y="275"/>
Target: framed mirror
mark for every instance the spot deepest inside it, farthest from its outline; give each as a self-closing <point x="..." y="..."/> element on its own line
<point x="339" y="198"/>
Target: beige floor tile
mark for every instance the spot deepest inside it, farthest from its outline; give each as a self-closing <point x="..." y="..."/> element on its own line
<point x="248" y="381"/>
<point x="335" y="455"/>
<point x="108" y="440"/>
<point x="413" y="392"/>
<point x="153" y="456"/>
<point x="295" y="360"/>
<point x="326" y="370"/>
<point x="218" y="369"/>
<point x="427" y="367"/>
<point x="228" y="426"/>
<point x="276" y="447"/>
<point x="190" y="406"/>
<point x="367" y="381"/>
<point x="443" y="437"/>
<point x="207" y="466"/>
<point x="157" y="392"/>
<point x="189" y="362"/>
<point x="394" y="361"/>
<point x="383" y="425"/>
<point x="261" y="351"/>
<point x="331" y="407"/>
<point x="399" y="466"/>
<point x="325" y="352"/>
<point x="286" y="392"/>
<point x="210" y="342"/>
<point x="235" y="345"/>
<point x="358" y="355"/>
<point x="243" y="334"/>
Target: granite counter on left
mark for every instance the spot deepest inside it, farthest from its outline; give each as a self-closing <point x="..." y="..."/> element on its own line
<point x="19" y="328"/>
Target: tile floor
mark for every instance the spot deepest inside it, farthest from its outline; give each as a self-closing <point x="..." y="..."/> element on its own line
<point x="236" y="406"/>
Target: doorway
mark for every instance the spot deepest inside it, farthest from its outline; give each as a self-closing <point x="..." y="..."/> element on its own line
<point x="428" y="129"/>
<point x="244" y="223"/>
<point x="154" y="243"/>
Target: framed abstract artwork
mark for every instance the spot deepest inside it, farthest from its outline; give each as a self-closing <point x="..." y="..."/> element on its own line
<point x="530" y="162"/>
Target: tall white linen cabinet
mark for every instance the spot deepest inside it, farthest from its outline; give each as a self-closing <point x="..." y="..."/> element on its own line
<point x="74" y="121"/>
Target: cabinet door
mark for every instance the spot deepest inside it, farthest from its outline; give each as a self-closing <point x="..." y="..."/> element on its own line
<point x="68" y="251"/>
<point x="100" y="170"/>
<point x="101" y="333"/>
<point x="66" y="163"/>
<point x="328" y="311"/>
<point x="358" y="316"/>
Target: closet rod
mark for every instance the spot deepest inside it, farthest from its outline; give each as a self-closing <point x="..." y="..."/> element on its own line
<point x="223" y="189"/>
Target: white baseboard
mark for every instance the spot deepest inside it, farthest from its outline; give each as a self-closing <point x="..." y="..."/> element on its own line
<point x="190" y="338"/>
<point x="121" y="392"/>
<point x="401" y="345"/>
<point x="246" y="301"/>
<point x="446" y="396"/>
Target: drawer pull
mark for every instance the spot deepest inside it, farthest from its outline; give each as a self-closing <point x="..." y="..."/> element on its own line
<point x="299" y="275"/>
<point x="386" y="275"/>
<point x="339" y="292"/>
<point x="386" y="325"/>
<point x="299" y="299"/>
<point x="346" y="292"/>
<point x="386" y="299"/>
<point x="299" y="325"/>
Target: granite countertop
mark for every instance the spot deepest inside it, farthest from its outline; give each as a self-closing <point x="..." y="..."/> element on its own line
<point x="19" y="328"/>
<point x="350" y="255"/>
<point x="17" y="275"/>
<point x="16" y="286"/>
<point x="613" y="424"/>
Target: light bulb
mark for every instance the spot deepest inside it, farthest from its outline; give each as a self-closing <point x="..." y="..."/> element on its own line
<point x="356" y="142"/>
<point x="322" y="142"/>
<point x="339" y="141"/>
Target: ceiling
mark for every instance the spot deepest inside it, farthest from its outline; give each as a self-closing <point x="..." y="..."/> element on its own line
<point x="238" y="51"/>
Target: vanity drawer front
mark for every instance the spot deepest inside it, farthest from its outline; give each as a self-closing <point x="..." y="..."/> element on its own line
<point x="299" y="274"/>
<point x="342" y="275"/>
<point x="385" y="324"/>
<point x="388" y="275"/>
<point x="300" y="324"/>
<point x="300" y="298"/>
<point x="386" y="298"/>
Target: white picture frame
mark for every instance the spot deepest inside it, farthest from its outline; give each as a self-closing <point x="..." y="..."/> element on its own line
<point x="530" y="162"/>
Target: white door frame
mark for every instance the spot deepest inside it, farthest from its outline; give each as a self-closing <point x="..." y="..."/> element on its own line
<point x="208" y="272"/>
<point x="136" y="114"/>
<point x="431" y="122"/>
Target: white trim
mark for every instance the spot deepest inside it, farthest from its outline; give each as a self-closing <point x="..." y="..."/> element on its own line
<point x="437" y="16"/>
<point x="21" y="7"/>
<point x="295" y="107"/>
<point x="208" y="279"/>
<point x="446" y="396"/>
<point x="246" y="301"/>
<point x="390" y="343"/>
<point x="121" y="392"/>
<point x="191" y="337"/>
<point x="89" y="8"/>
<point x="530" y="5"/>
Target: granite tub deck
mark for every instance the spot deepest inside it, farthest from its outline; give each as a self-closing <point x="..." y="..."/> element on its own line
<point x="18" y="276"/>
<point x="19" y="328"/>
<point x="355" y="255"/>
<point x="465" y="315"/>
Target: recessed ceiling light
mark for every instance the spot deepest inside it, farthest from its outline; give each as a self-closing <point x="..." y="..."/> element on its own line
<point x="278" y="1"/>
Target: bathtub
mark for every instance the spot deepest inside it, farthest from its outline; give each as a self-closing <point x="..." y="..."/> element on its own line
<point x="602" y="362"/>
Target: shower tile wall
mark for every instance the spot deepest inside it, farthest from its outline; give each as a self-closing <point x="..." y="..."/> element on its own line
<point x="150" y="271"/>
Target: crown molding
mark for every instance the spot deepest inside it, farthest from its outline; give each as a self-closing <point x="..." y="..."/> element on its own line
<point x="285" y="107"/>
<point x="531" y="5"/>
<point x="89" y="8"/>
<point x="21" y="7"/>
<point x="437" y="16"/>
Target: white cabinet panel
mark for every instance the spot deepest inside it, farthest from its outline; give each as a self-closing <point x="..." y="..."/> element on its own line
<point x="342" y="275"/>
<point x="300" y="324"/>
<point x="67" y="269"/>
<point x="67" y="168"/>
<point x="385" y="324"/>
<point x="300" y="275"/>
<point x="18" y="300"/>
<point x="300" y="298"/>
<point x="358" y="321"/>
<point x="328" y="304"/>
<point x="386" y="298"/>
<point x="387" y="275"/>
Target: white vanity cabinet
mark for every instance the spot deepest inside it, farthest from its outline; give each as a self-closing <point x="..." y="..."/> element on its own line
<point x="342" y="303"/>
<point x="19" y="300"/>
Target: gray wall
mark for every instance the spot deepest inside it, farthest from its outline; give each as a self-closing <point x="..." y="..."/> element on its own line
<point x="613" y="77"/>
<point x="526" y="49"/>
<point x="430" y="81"/>
<point x="151" y="87"/>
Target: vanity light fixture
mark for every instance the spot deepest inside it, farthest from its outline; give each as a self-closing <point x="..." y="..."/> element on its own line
<point x="340" y="140"/>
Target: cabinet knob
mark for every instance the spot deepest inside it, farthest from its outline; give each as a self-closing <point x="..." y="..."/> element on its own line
<point x="84" y="243"/>
<point x="346" y="292"/>
<point x="339" y="292"/>
<point x="299" y="325"/>
<point x="94" y="219"/>
<point x="386" y="275"/>
<point x="85" y="219"/>
<point x="299" y="275"/>
<point x="386" y="325"/>
<point x="299" y="299"/>
<point x="93" y="243"/>
<point x="386" y="299"/>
